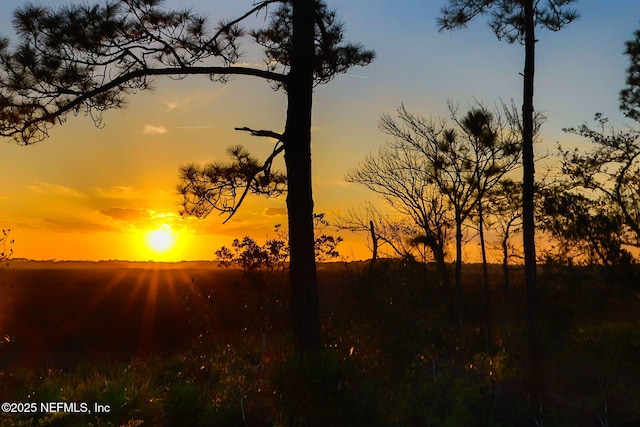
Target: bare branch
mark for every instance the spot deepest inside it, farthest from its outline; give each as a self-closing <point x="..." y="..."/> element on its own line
<point x="264" y="133"/>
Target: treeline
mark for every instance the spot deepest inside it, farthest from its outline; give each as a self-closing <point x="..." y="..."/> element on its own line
<point x="451" y="180"/>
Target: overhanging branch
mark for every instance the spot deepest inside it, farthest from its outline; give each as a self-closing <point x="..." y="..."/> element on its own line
<point x="74" y="104"/>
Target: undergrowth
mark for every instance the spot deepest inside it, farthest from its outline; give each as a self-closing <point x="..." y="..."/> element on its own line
<point x="394" y="355"/>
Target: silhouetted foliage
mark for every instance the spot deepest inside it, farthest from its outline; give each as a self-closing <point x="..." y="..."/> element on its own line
<point x="264" y="267"/>
<point x="612" y="170"/>
<point x="500" y="159"/>
<point x="87" y="58"/>
<point x="6" y="247"/>
<point x="332" y="56"/>
<point x="506" y="17"/>
<point x="394" y="174"/>
<point x="393" y="234"/>
<point x="586" y="228"/>
<point x="206" y="188"/>
<point x="504" y="208"/>
<point x="6" y="250"/>
<point x="630" y="95"/>
<point x="505" y="212"/>
<point x="600" y="207"/>
<point x="223" y="187"/>
<point x="436" y="171"/>
<point x="252" y="257"/>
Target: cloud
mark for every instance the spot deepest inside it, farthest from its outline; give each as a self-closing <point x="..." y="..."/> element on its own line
<point x="45" y="187"/>
<point x="237" y="228"/>
<point x="275" y="211"/>
<point x="141" y="218"/>
<point x="164" y="215"/>
<point x="249" y="64"/>
<point x="194" y="101"/>
<point x="118" y="192"/>
<point x="154" y="130"/>
<point x="62" y="226"/>
<point x="178" y="104"/>
<point x="201" y="127"/>
<point x="125" y="214"/>
<point x="355" y="76"/>
<point x="171" y="105"/>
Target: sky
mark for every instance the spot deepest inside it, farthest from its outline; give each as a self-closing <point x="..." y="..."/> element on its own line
<point x="96" y="194"/>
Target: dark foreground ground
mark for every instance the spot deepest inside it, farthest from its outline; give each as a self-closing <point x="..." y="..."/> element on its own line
<point x="195" y="344"/>
<point x="57" y="315"/>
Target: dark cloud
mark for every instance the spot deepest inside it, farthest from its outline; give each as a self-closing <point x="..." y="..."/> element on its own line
<point x="275" y="211"/>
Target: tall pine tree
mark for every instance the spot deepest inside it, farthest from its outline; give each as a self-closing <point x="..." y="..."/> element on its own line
<point x="516" y="21"/>
<point x="88" y="58"/>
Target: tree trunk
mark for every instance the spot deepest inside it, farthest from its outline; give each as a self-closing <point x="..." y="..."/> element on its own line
<point x="505" y="283"/>
<point x="458" y="278"/>
<point x="441" y="265"/>
<point x="374" y="249"/>
<point x="297" y="139"/>
<point x="528" y="189"/>
<point x="485" y="280"/>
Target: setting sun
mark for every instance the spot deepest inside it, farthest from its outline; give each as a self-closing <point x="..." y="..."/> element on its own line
<point x="161" y="240"/>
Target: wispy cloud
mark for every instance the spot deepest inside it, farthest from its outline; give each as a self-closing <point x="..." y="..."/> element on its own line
<point x="63" y="226"/>
<point x="355" y="76"/>
<point x="125" y="214"/>
<point x="49" y="188"/>
<point x="195" y="100"/>
<point x="164" y="215"/>
<point x="201" y="127"/>
<point x="171" y="105"/>
<point x="141" y="218"/>
<point x="178" y="104"/>
<point x="249" y="64"/>
<point x="118" y="192"/>
<point x="154" y="130"/>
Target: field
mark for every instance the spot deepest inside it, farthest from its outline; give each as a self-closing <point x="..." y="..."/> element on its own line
<point x="196" y="344"/>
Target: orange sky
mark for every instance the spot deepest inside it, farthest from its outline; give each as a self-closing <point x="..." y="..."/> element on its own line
<point x="92" y="194"/>
<point x="89" y="193"/>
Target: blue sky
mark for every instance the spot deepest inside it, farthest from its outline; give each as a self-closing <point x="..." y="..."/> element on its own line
<point x="66" y="187"/>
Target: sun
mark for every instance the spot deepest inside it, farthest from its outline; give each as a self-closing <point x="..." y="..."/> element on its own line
<point x="161" y="240"/>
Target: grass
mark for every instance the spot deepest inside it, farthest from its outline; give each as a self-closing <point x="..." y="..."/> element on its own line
<point x="394" y="353"/>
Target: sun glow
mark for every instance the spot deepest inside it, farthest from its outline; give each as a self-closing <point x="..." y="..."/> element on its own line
<point x="161" y="240"/>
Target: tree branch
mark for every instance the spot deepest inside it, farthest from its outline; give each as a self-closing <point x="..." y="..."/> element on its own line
<point x="262" y="132"/>
<point x="23" y="129"/>
<point x="266" y="169"/>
